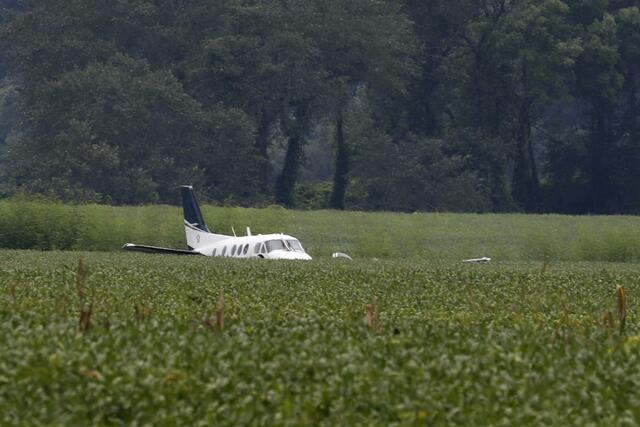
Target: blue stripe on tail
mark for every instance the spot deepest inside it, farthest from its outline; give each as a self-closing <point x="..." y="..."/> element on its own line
<point x="191" y="209"/>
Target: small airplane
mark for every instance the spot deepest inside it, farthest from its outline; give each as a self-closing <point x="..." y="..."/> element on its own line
<point x="201" y="241"/>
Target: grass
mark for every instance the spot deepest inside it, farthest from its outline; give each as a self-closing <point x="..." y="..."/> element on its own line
<point x="433" y="236"/>
<point x="405" y="335"/>
<point x="141" y="339"/>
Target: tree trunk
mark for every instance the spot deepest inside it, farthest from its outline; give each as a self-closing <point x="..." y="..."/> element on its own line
<point x="599" y="155"/>
<point x="341" y="174"/>
<point x="525" y="175"/>
<point x="534" y="182"/>
<point x="633" y="104"/>
<point x="624" y="152"/>
<point x="632" y="190"/>
<point x="286" y="182"/>
<point x="262" y="145"/>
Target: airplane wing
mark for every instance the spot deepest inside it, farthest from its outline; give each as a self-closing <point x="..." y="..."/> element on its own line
<point x="157" y="250"/>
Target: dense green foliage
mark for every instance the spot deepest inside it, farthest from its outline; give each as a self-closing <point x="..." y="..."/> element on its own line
<point x="515" y="237"/>
<point x="441" y="105"/>
<point x="454" y="344"/>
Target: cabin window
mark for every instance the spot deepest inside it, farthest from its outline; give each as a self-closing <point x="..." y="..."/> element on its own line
<point x="224" y="251"/>
<point x="275" y="245"/>
<point x="256" y="249"/>
<point x="295" y="245"/>
<point x="214" y="252"/>
<point x="262" y="249"/>
<point x="233" y="250"/>
<point x="246" y="249"/>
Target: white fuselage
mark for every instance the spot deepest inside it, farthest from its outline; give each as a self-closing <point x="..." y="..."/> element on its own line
<point x="269" y="246"/>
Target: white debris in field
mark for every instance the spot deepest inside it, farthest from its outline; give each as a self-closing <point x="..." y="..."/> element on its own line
<point x="476" y="260"/>
<point x="341" y="255"/>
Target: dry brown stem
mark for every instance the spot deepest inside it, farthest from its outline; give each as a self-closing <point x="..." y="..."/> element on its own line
<point x="85" y="319"/>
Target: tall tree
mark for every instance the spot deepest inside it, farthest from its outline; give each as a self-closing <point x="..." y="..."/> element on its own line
<point x="476" y="98"/>
<point x="628" y="166"/>
<point x="538" y="50"/>
<point x="599" y="83"/>
<point x="439" y="28"/>
<point x="258" y="56"/>
<point x="362" y="44"/>
<point x="115" y="124"/>
<point x="593" y="160"/>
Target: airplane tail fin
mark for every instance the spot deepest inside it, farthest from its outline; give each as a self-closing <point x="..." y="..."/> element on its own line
<point x="192" y="214"/>
<point x="194" y="226"/>
<point x="196" y="230"/>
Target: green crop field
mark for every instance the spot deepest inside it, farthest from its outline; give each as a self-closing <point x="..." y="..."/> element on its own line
<point x="404" y="335"/>
<point x="133" y="339"/>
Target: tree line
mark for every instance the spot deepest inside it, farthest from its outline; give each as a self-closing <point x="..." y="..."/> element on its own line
<point x="457" y="105"/>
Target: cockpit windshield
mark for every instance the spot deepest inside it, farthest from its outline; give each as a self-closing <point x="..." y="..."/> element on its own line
<point x="275" y="245"/>
<point x="295" y="245"/>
